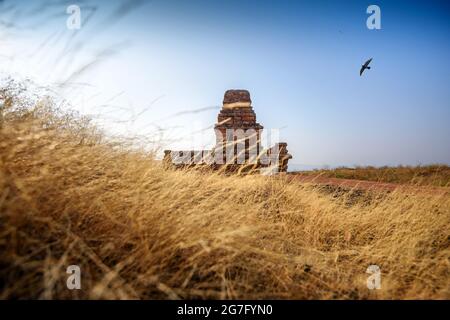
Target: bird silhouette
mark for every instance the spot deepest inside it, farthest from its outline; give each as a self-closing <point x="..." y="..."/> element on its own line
<point x="365" y="66"/>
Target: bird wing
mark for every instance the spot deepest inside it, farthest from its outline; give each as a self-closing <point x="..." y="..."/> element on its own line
<point x="364" y="66"/>
<point x="367" y="62"/>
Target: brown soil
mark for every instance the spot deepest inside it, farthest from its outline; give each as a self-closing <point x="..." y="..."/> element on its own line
<point x="366" y="185"/>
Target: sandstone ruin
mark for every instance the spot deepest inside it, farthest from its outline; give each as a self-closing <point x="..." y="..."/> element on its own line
<point x="238" y="142"/>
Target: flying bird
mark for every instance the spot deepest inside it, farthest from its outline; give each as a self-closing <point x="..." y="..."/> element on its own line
<point x="365" y="66"/>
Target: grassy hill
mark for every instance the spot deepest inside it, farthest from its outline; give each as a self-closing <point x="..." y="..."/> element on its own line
<point x="69" y="195"/>
<point x="429" y="175"/>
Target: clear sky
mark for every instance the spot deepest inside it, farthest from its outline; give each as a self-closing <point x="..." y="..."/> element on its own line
<point x="300" y="61"/>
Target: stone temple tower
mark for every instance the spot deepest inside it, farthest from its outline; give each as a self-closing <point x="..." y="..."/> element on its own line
<point x="238" y="142"/>
<point x="237" y="114"/>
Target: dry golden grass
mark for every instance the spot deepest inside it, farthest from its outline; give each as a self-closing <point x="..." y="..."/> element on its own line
<point x="429" y="175"/>
<point x="70" y="196"/>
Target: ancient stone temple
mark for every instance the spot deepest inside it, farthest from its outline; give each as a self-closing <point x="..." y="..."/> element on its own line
<point x="238" y="142"/>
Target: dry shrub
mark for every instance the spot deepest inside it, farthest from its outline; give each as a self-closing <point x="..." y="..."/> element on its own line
<point x="68" y="195"/>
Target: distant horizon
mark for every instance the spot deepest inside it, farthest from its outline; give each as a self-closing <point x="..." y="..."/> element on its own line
<point x="305" y="167"/>
<point x="160" y="67"/>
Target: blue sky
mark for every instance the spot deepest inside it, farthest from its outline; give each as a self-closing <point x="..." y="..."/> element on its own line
<point x="300" y="61"/>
